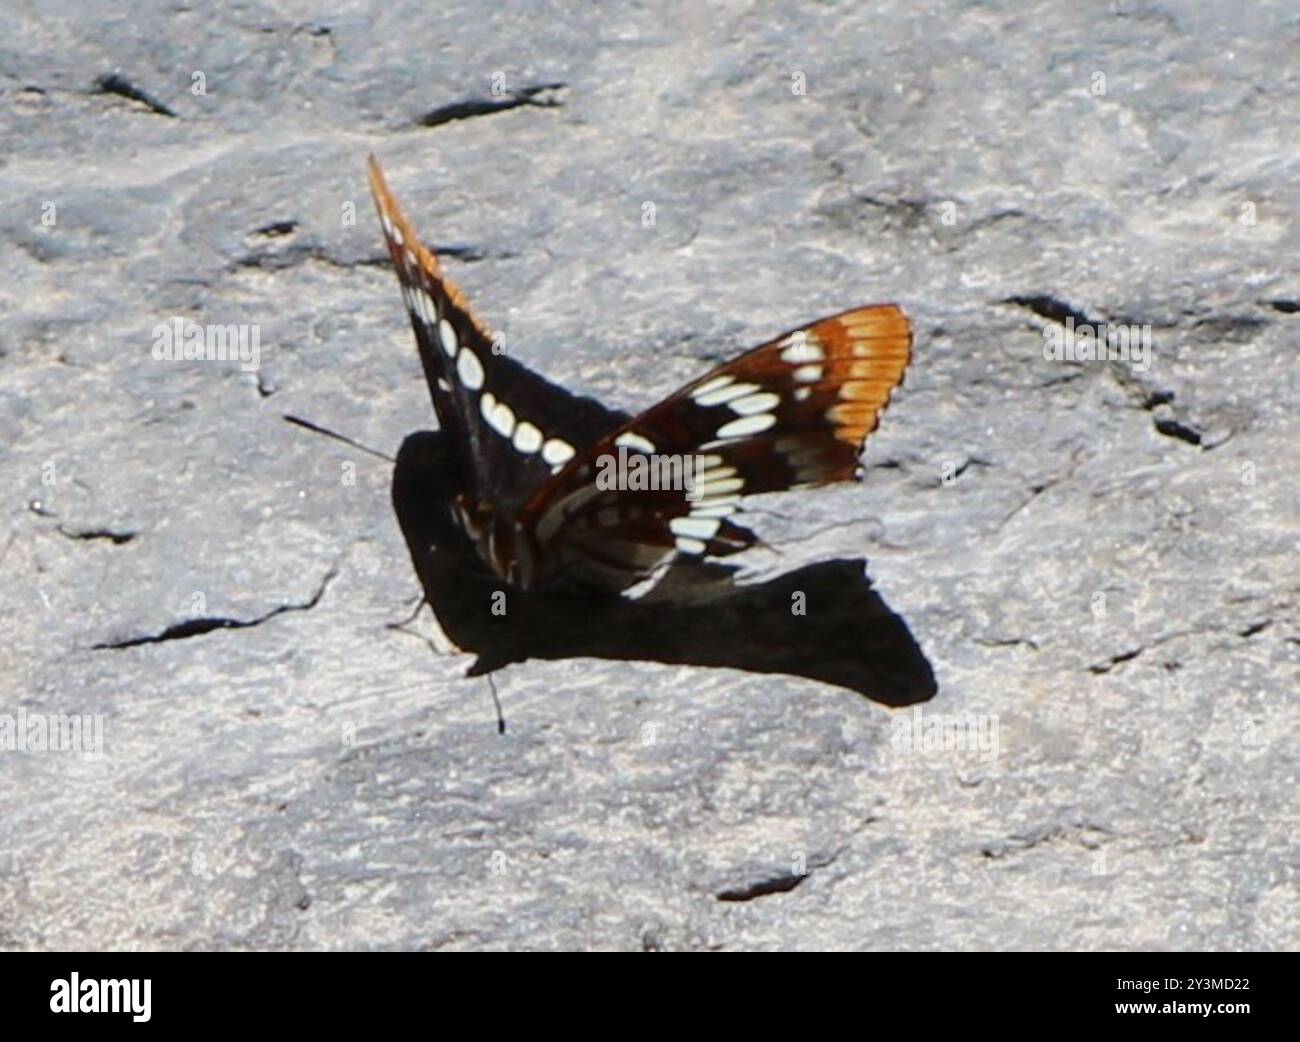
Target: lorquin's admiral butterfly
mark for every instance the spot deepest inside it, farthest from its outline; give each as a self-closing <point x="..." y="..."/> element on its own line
<point x="792" y="413"/>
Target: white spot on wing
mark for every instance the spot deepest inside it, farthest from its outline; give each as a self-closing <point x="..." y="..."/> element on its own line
<point x="809" y="374"/>
<point x="746" y="426"/>
<point x="501" y="418"/>
<point x="719" y="488"/>
<point x="557" y="452"/>
<point x="428" y="310"/>
<point x="690" y="546"/>
<point x="528" y="439"/>
<point x="725" y="394"/>
<point x="802" y="349"/>
<point x="469" y="369"/>
<point x="712" y="385"/>
<point x="447" y="337"/>
<point x="632" y="440"/>
<point x="753" y="403"/>
<point x="695" y="527"/>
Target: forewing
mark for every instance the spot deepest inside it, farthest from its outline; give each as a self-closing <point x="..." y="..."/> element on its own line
<point x="515" y="428"/>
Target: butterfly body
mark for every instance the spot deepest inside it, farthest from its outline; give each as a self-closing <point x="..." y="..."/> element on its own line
<point x="791" y="413"/>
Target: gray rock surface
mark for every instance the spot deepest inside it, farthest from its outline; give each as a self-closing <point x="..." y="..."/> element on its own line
<point x="1099" y="560"/>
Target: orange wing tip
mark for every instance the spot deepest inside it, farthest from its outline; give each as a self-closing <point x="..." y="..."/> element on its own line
<point x="397" y="229"/>
<point x="872" y="348"/>
<point x="407" y="250"/>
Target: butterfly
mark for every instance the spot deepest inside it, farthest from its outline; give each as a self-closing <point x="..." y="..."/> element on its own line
<point x="791" y="413"/>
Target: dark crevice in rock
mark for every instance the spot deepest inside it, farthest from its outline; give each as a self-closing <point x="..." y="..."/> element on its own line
<point x="910" y="208"/>
<point x="1007" y="642"/>
<point x="276" y="229"/>
<point x="1063" y="378"/>
<point x="985" y="220"/>
<point x="267" y="260"/>
<point x="178" y="631"/>
<point x="117" y="538"/>
<point x="469" y="253"/>
<point x="857" y="211"/>
<point x="116" y="83"/>
<point x="1174" y="428"/>
<point x="776" y="885"/>
<point x="1020" y="842"/>
<point x="291" y="255"/>
<point x="785" y="882"/>
<point x="1287" y="307"/>
<point x="1051" y="308"/>
<point x="1139" y="389"/>
<point x="972" y="461"/>
<point x="324" y="33"/>
<point x="197" y="627"/>
<point x="1236" y="329"/>
<point x="1160" y="402"/>
<point x="1105" y="667"/>
<point x="546" y="96"/>
<point x="1174" y="663"/>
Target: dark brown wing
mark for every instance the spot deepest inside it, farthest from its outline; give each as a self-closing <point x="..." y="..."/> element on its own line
<point x="791" y="413"/>
<point x="513" y="427"/>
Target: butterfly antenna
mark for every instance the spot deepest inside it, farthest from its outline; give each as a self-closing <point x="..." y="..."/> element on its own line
<point x="501" y="720"/>
<point x="297" y="421"/>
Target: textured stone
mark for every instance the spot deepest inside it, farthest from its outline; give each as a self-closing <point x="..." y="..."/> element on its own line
<point x="1102" y="558"/>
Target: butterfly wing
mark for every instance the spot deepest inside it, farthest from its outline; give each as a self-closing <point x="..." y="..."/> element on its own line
<point x="516" y="428"/>
<point x="791" y="413"/>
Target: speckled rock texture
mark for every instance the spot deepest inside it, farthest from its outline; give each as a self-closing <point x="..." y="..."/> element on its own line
<point x="1097" y="559"/>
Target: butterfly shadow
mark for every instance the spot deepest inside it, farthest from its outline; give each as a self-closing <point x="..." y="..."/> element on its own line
<point x="697" y="614"/>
